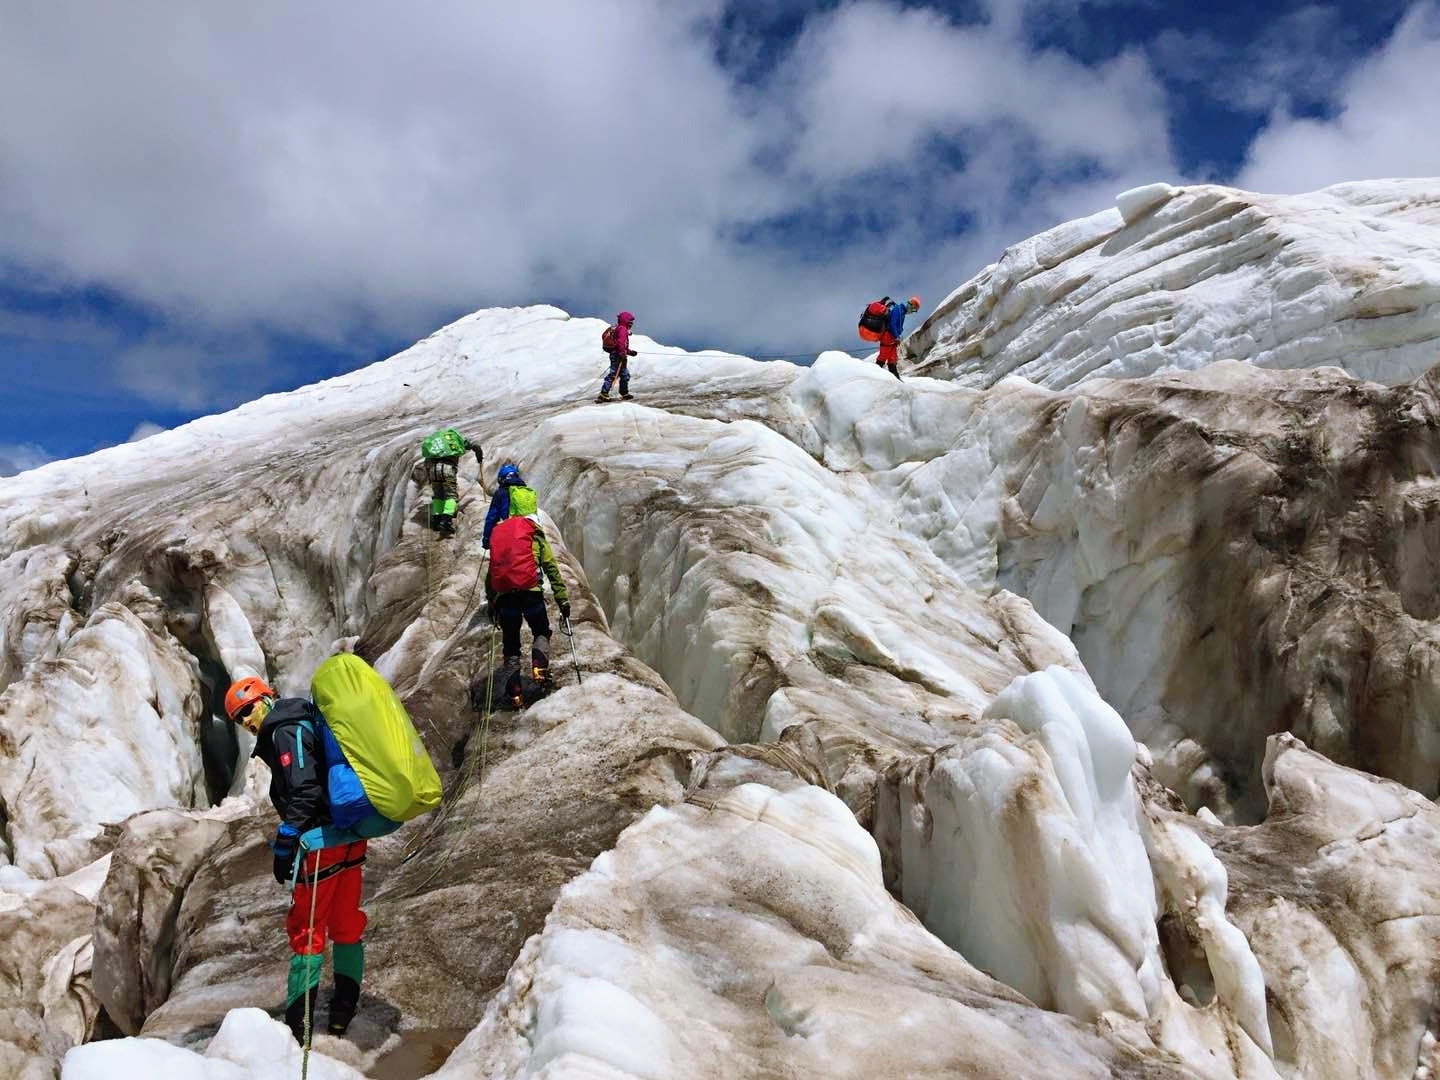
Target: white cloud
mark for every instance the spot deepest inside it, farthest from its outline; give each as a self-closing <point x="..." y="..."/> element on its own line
<point x="329" y="167"/>
<point x="1382" y="127"/>
<point x="144" y="430"/>
<point x="17" y="457"/>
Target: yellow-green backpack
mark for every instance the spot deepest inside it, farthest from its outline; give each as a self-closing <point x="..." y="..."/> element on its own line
<point x="375" y="734"/>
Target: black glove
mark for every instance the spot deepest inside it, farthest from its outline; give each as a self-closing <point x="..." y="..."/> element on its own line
<point x="634" y="353"/>
<point x="283" y="848"/>
<point x="494" y="615"/>
<point x="565" y="609"/>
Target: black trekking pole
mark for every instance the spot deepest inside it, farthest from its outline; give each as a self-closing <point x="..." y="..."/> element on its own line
<point x="565" y="625"/>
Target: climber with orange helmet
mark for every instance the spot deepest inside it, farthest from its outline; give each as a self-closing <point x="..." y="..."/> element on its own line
<point x="616" y="342"/>
<point x="893" y="331"/>
<point x="287" y="740"/>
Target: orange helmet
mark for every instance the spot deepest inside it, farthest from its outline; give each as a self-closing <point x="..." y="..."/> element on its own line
<point x="914" y="304"/>
<point x="243" y="693"/>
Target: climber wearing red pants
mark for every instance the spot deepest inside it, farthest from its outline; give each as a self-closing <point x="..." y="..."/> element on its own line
<point x="889" y="357"/>
<point x="326" y="896"/>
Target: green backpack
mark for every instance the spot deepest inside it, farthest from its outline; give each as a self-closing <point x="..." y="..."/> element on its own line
<point x="522" y="501"/>
<point x="443" y="444"/>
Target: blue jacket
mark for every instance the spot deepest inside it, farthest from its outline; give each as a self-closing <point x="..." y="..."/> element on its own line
<point x="508" y="499"/>
<point x="896" y="323"/>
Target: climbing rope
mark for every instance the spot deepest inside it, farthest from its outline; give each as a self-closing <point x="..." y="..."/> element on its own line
<point x="309" y="997"/>
<point x="721" y="354"/>
<point x="473" y="768"/>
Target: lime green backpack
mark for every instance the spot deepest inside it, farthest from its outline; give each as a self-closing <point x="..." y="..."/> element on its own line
<point x="522" y="501"/>
<point x="440" y="444"/>
<point x="376" y="736"/>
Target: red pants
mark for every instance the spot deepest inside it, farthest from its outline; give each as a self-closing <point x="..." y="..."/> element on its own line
<point x="889" y="354"/>
<point x="337" y="900"/>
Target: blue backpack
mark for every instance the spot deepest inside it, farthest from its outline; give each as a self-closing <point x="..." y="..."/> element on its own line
<point x="350" y="807"/>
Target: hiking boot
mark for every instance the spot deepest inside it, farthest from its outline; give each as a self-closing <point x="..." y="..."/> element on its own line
<point x="445" y="525"/>
<point x="539" y="665"/>
<point x="295" y="1015"/>
<point x="602" y="396"/>
<point x="514" y="691"/>
<point x="625" y="396"/>
<point x="343" y="1003"/>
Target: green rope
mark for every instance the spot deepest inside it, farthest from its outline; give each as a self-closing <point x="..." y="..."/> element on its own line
<point x="310" y="997"/>
<point x="468" y="773"/>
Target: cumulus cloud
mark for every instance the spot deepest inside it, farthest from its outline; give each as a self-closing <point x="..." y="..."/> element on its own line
<point x="1292" y="61"/>
<point x="17" y="457"/>
<point x="1380" y="127"/>
<point x="144" y="430"/>
<point x="327" y="167"/>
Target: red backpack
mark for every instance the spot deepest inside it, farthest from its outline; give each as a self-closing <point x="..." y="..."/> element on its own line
<point x="874" y="319"/>
<point x="512" y="556"/>
<point x="607" y="339"/>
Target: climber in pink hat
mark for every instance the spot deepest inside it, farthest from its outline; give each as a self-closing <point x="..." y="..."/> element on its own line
<point x="616" y="342"/>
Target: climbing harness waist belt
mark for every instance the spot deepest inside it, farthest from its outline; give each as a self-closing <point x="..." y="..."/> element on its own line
<point x="346" y="858"/>
<point x="309" y="876"/>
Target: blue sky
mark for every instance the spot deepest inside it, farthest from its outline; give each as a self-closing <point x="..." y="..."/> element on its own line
<point x="200" y="204"/>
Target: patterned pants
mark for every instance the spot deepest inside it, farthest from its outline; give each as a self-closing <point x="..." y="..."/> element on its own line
<point x="444" y="486"/>
<point x="619" y="365"/>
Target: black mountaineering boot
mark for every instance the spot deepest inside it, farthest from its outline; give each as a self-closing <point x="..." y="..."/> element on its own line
<point x="343" y="1003"/>
<point x="514" y="689"/>
<point x="539" y="666"/>
<point x="295" y="1015"/>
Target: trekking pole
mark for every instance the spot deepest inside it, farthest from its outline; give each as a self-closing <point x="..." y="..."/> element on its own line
<point x="565" y="625"/>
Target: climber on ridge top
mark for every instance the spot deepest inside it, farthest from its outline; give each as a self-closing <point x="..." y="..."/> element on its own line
<point x="287" y="740"/>
<point x="616" y="342"/>
<point x="883" y="320"/>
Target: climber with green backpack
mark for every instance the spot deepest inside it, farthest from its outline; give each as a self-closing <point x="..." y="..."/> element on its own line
<point x="345" y="766"/>
<point x="511" y="499"/>
<point x="442" y="451"/>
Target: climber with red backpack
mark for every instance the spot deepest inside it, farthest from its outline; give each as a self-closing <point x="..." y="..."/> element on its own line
<point x="616" y="343"/>
<point x="520" y="559"/>
<point x="883" y="320"/>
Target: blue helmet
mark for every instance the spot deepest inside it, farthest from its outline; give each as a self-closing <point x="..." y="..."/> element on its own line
<point x="509" y="474"/>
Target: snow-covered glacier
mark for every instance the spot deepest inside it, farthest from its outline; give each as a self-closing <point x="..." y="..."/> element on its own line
<point x="1067" y="708"/>
<point x="1176" y="278"/>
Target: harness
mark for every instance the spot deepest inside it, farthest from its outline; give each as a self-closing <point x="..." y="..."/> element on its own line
<point x="336" y="868"/>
